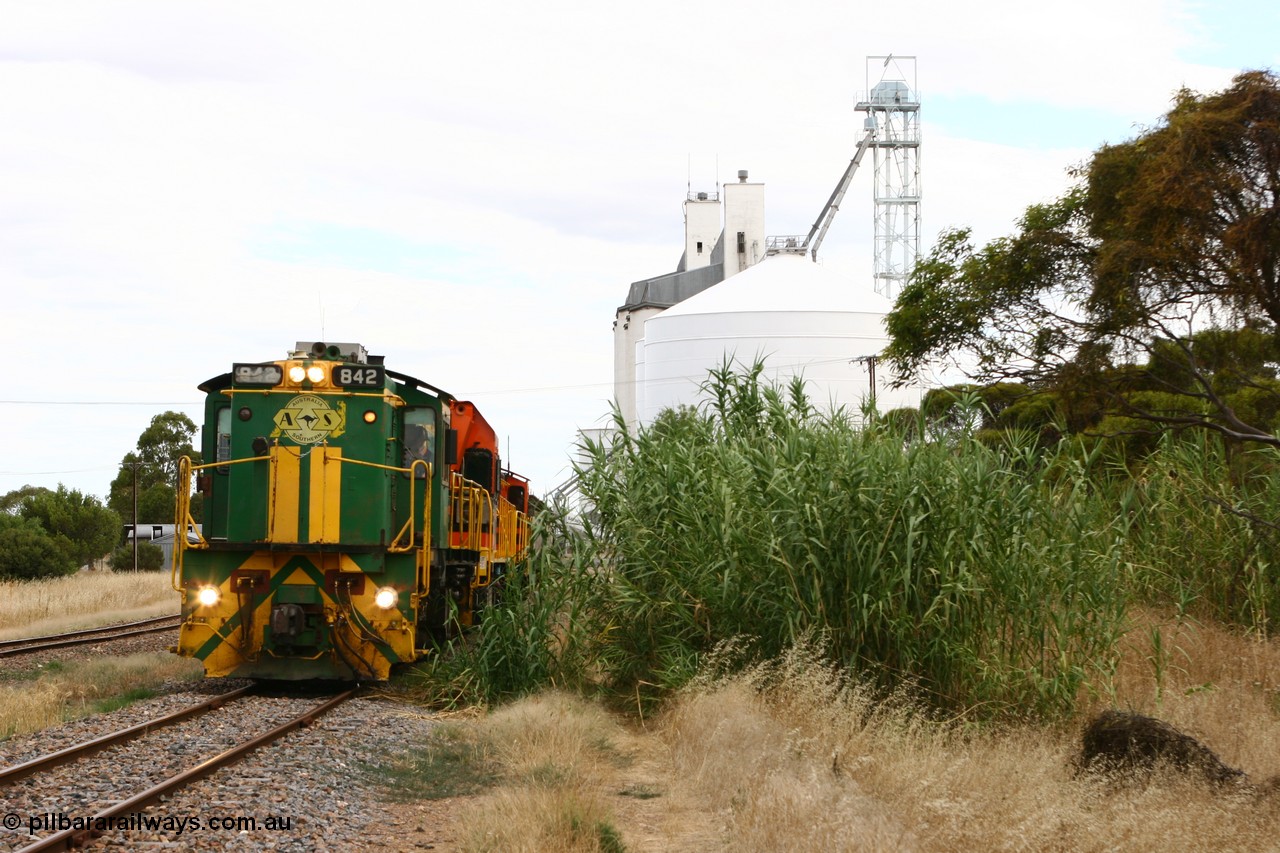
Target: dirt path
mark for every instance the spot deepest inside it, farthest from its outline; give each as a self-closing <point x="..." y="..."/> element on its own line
<point x="650" y="813"/>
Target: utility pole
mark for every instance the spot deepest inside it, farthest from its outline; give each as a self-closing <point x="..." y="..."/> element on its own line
<point x="135" y="465"/>
<point x="870" y="362"/>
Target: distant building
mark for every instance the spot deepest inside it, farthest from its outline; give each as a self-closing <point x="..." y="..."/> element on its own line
<point x="147" y="532"/>
<point x="709" y="258"/>
<point x="160" y="535"/>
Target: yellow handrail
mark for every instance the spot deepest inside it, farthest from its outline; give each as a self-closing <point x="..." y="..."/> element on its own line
<point x="391" y="399"/>
<point x="395" y="548"/>
<point x="185" y="522"/>
<point x="467" y="511"/>
<point x="513" y="532"/>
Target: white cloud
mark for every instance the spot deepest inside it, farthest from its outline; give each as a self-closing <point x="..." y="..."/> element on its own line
<point x="188" y="185"/>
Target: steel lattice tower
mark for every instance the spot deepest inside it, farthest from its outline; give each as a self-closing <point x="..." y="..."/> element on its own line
<point x="893" y="119"/>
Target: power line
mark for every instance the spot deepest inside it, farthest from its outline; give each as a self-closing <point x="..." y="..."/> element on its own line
<point x="815" y="362"/>
<point x="97" y="403"/>
<point x="72" y="471"/>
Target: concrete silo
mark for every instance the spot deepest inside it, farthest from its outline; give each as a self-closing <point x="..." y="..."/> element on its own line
<point x="799" y="318"/>
<point x="737" y="293"/>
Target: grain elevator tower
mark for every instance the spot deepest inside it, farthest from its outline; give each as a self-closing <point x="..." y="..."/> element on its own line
<point x="893" y="121"/>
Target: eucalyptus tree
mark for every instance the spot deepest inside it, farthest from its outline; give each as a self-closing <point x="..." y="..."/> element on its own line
<point x="77" y="527"/>
<point x="1158" y="272"/>
<point x="149" y="474"/>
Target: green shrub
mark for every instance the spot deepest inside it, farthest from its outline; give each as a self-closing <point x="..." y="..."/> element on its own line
<point x="79" y="525"/>
<point x="150" y="558"/>
<point x="27" y="551"/>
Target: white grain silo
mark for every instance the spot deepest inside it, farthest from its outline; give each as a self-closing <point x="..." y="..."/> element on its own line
<point x="798" y="317"/>
<point x="739" y="294"/>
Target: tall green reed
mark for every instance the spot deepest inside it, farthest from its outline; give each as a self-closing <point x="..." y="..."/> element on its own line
<point x="1204" y="529"/>
<point x="989" y="578"/>
<point x="979" y="577"/>
<point x="532" y="637"/>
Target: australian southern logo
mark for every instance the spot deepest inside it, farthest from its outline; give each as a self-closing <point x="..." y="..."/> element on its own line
<point x="307" y="419"/>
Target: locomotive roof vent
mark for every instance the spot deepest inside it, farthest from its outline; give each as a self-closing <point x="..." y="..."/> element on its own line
<point x="331" y="350"/>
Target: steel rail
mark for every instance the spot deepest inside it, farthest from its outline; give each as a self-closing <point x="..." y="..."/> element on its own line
<point x="4" y="644"/>
<point x="72" y="838"/>
<point x="89" y="747"/>
<point x="84" y="641"/>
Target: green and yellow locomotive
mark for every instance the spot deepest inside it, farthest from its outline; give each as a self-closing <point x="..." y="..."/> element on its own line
<point x="352" y="516"/>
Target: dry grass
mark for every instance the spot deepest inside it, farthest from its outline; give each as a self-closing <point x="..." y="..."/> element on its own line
<point x="62" y="690"/>
<point x="553" y="754"/>
<point x="562" y="776"/>
<point x="66" y="690"/>
<point x="764" y="778"/>
<point x="795" y="761"/>
<point x="1213" y="683"/>
<point x="790" y="758"/>
<point x="83" y="600"/>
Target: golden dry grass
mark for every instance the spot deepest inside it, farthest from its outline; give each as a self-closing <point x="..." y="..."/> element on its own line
<point x="564" y="776"/>
<point x="1218" y="685"/>
<point x="62" y="690"/>
<point x="794" y="762"/>
<point x="789" y="758"/>
<point x="82" y="600"/>
<point x="553" y="754"/>
<point x="76" y="688"/>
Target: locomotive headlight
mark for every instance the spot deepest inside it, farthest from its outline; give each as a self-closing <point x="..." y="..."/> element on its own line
<point x="315" y="373"/>
<point x="386" y="598"/>
<point x="208" y="596"/>
<point x="297" y="373"/>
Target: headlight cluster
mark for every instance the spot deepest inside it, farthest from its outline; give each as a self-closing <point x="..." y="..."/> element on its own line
<point x="208" y="596"/>
<point x="316" y="374"/>
<point x="386" y="598"/>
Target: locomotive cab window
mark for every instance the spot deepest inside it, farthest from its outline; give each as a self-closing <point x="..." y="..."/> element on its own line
<point x="419" y="438"/>
<point x="477" y="466"/>
<point x="223" y="446"/>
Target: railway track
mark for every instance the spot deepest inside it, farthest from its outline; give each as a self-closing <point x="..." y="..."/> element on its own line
<point x="88" y="636"/>
<point x="118" y="805"/>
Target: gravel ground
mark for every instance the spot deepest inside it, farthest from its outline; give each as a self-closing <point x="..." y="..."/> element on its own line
<point x="312" y="790"/>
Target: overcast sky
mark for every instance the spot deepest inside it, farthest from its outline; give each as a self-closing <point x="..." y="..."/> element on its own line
<point x="468" y="188"/>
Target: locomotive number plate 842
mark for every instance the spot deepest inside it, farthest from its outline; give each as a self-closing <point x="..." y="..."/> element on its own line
<point x="358" y="375"/>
